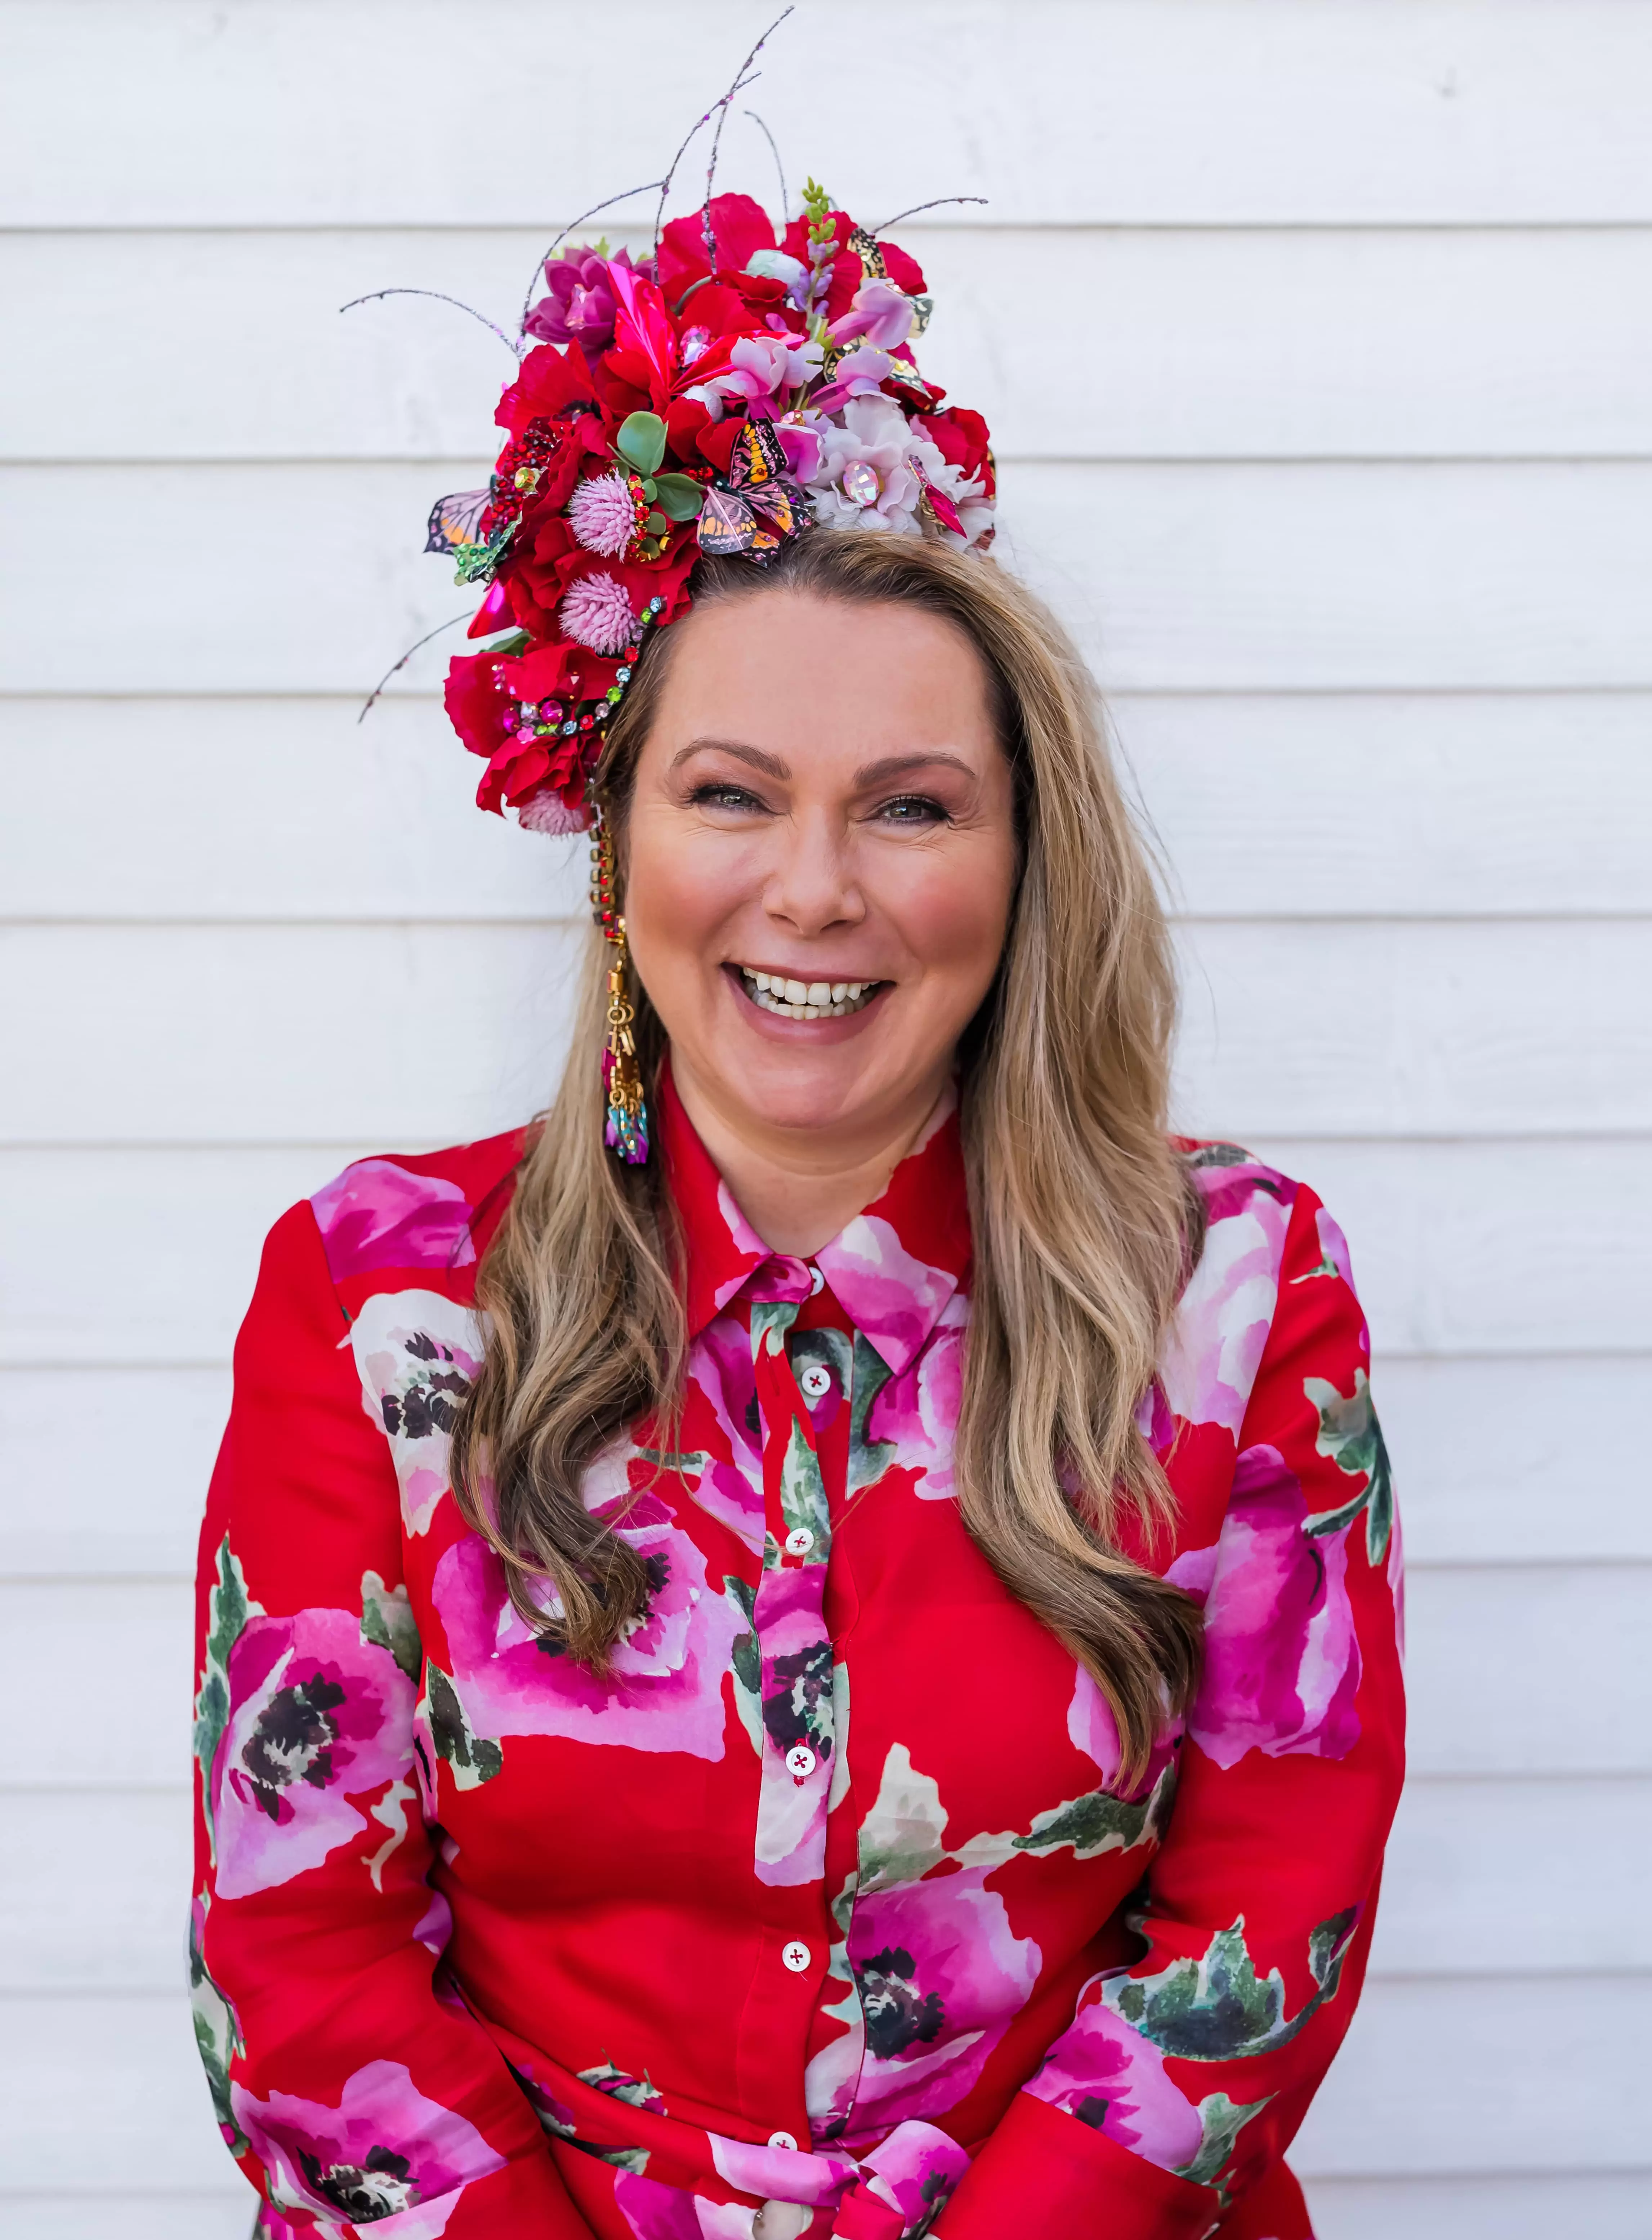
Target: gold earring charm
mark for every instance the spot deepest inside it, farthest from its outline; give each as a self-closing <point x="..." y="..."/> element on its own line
<point x="625" y="1131"/>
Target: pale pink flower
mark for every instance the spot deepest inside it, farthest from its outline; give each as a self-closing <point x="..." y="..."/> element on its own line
<point x="881" y="312"/>
<point x="602" y="515"/>
<point x="597" y="612"/>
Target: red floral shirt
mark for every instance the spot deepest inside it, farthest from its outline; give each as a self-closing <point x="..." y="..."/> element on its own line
<point x="830" y="1898"/>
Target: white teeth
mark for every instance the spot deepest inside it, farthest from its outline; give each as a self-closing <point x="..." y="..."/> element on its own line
<point x="798" y="999"/>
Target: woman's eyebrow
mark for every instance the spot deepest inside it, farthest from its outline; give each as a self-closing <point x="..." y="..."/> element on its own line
<point x="771" y="765"/>
<point x="898" y="765"/>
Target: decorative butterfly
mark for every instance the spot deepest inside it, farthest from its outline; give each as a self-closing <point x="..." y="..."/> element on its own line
<point x="758" y="505"/>
<point x="454" y="520"/>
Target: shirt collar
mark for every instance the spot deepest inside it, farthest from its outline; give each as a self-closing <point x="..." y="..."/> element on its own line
<point x="892" y="1269"/>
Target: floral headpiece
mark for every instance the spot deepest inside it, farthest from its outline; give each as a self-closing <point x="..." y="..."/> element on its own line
<point x="742" y="387"/>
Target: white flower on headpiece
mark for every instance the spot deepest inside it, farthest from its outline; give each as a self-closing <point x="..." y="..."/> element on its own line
<point x="866" y="478"/>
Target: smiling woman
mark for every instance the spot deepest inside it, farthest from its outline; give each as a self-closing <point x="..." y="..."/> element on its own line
<point x="808" y="1644"/>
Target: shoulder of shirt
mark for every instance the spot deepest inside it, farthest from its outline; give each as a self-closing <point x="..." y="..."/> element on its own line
<point x="1226" y="1173"/>
<point x="430" y="1211"/>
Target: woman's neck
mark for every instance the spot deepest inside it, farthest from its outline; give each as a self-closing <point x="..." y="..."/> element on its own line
<point x="798" y="1187"/>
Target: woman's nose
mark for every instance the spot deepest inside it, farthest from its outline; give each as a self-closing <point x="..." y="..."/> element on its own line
<point x="813" y="883"/>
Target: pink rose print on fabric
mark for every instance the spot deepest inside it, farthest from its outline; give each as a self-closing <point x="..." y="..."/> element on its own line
<point x="720" y="1371"/>
<point x="1282" y="1659"/>
<point x="1113" y="2079"/>
<point x="665" y="1689"/>
<point x="940" y="1978"/>
<point x="417" y="1355"/>
<point x="797" y="1713"/>
<point x="885" y="1292"/>
<point x="917" y="1412"/>
<point x="1214" y="1347"/>
<point x="915" y="2170"/>
<point x="378" y="1215"/>
<point x="317" y="1716"/>
<point x="384" y="2151"/>
<point x="666" y="2212"/>
<point x="781" y="2173"/>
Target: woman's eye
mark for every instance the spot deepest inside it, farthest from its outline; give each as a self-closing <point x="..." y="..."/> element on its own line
<point x="913" y="808"/>
<point x="724" y="796"/>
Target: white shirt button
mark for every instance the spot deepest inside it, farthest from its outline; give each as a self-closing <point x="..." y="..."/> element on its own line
<point x="814" y="1381"/>
<point x="797" y="1955"/>
<point x="783" y="2139"/>
<point x="801" y="1760"/>
<point x="816" y="1282"/>
<point x="799" y="1540"/>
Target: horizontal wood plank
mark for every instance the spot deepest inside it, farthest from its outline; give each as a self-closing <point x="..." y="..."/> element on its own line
<point x="103" y="1471"/>
<point x="117" y="1713"/>
<point x="1611" y="2206"/>
<point x="97" y="1884"/>
<point x="1276" y="110"/>
<point x="1194" y="577"/>
<point x="243" y="1034"/>
<point x="1218" y="345"/>
<point x="148" y="1255"/>
<point x="1320" y="806"/>
<point x="66" y="2213"/>
<point x="1502" y="2077"/>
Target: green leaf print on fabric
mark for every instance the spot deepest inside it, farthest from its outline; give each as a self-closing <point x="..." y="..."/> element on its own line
<point x="1222" y="2120"/>
<point x="1218" y="2009"/>
<point x="473" y="1757"/>
<point x="802" y="1499"/>
<point x="388" y="1623"/>
<point x="745" y="1659"/>
<point x="868" y="1459"/>
<point x="1350" y="1435"/>
<point x="217" y="2032"/>
<point x="229" y="1607"/>
<point x="770" y="1320"/>
<point x="1102" y="1822"/>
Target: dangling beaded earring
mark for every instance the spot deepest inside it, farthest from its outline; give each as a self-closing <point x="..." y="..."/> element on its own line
<point x="626" y="1132"/>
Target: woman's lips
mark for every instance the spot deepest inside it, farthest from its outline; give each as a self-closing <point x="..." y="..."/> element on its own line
<point x="831" y="1017"/>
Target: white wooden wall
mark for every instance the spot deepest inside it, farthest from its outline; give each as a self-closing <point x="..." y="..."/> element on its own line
<point x="1317" y="339"/>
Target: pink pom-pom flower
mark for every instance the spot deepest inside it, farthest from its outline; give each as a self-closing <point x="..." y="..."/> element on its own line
<point x="597" y="612"/>
<point x="546" y="811"/>
<point x="602" y="515"/>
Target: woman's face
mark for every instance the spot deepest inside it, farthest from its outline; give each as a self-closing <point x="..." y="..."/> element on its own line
<point x="820" y="862"/>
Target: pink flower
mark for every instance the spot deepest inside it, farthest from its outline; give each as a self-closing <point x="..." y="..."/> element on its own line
<point x="665" y="1691"/>
<point x="1113" y="2079"/>
<point x="546" y="811"/>
<point x="881" y="312"/>
<point x="761" y="365"/>
<point x="917" y="1410"/>
<point x="383" y="2151"/>
<point x="602" y="515"/>
<point x="798" y="1707"/>
<point x="379" y="1215"/>
<point x="940" y="1978"/>
<point x="1282" y="1658"/>
<point x="894" y="1298"/>
<point x="1214" y="1347"/>
<point x="916" y="2167"/>
<point x="317" y="1716"/>
<point x="597" y="612"/>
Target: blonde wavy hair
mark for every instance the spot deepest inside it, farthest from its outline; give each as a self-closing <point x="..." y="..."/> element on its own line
<point x="1085" y="1226"/>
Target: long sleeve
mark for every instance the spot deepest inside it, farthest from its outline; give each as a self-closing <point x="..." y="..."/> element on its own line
<point x="349" y="2078"/>
<point x="1181" y="2081"/>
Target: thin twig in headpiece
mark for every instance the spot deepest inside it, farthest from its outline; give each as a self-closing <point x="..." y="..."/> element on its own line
<point x="527" y="300"/>
<point x="941" y="202"/>
<point x="379" y="294"/>
<point x="408" y="655"/>
<point x="722" y="114"/>
<point x="780" y="168"/>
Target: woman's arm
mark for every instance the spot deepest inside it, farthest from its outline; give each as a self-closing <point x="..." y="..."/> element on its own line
<point x="1181" y="2082"/>
<point x="349" y="2080"/>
